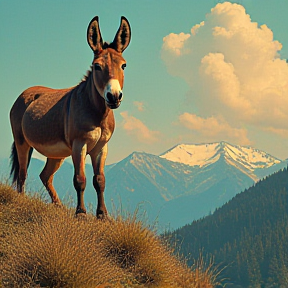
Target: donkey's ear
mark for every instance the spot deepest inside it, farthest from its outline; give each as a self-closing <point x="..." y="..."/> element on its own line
<point x="94" y="37"/>
<point x="123" y="36"/>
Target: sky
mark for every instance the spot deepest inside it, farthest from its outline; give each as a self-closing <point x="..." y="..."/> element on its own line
<point x="197" y="71"/>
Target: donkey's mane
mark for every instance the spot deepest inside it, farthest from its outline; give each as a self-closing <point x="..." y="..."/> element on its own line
<point x="85" y="77"/>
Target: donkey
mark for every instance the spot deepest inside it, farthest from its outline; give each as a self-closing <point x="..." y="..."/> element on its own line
<point x="76" y="121"/>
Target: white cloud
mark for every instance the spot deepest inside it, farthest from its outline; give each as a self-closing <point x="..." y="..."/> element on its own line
<point x="138" y="129"/>
<point x="174" y="42"/>
<point x="233" y="69"/>
<point x="212" y="128"/>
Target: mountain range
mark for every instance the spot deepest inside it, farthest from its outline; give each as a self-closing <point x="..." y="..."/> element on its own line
<point x="183" y="184"/>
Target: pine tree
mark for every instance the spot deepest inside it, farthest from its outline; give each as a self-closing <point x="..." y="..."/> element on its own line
<point x="254" y="272"/>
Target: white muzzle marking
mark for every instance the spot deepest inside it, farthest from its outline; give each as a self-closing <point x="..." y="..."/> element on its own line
<point x="112" y="87"/>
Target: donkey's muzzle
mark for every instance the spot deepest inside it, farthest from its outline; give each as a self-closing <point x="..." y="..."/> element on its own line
<point x="113" y="101"/>
<point x="113" y="94"/>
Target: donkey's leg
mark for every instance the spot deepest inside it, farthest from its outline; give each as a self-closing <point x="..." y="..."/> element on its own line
<point x="98" y="162"/>
<point x="47" y="175"/>
<point x="23" y="155"/>
<point x="79" y="151"/>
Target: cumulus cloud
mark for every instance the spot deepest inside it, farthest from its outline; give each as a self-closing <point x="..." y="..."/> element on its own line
<point x="234" y="71"/>
<point x="212" y="128"/>
<point x="138" y="129"/>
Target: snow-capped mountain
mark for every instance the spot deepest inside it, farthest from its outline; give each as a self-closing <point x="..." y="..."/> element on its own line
<point x="183" y="184"/>
<point x="206" y="154"/>
<point x="188" y="181"/>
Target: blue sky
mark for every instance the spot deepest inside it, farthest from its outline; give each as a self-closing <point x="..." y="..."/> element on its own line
<point x="226" y="79"/>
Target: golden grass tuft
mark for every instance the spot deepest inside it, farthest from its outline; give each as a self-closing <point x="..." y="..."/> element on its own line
<point x="46" y="246"/>
<point x="136" y="250"/>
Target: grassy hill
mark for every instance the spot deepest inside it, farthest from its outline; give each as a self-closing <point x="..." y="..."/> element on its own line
<point x="248" y="235"/>
<point x="42" y="245"/>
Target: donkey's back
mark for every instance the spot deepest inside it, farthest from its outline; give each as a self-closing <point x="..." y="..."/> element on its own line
<point x="38" y="116"/>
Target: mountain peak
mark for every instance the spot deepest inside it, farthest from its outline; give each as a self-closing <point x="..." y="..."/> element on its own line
<point x="206" y="154"/>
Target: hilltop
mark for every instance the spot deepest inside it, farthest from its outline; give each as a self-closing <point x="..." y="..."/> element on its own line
<point x="46" y="246"/>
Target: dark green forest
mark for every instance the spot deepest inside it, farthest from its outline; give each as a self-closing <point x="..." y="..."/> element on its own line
<point x="248" y="235"/>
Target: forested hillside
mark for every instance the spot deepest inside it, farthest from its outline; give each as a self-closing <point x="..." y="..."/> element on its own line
<point x="248" y="235"/>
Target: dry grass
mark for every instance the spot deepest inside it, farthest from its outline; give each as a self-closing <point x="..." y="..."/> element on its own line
<point x="46" y="246"/>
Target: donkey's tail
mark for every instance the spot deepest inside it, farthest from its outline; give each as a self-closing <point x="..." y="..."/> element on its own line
<point x="14" y="163"/>
<point x="14" y="173"/>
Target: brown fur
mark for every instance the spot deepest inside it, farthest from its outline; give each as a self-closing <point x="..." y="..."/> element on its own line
<point x="75" y="121"/>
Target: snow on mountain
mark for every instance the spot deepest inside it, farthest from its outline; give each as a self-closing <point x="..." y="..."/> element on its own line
<point x="192" y="155"/>
<point x="205" y="154"/>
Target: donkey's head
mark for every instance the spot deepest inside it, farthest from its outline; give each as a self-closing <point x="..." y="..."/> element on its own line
<point x="108" y="64"/>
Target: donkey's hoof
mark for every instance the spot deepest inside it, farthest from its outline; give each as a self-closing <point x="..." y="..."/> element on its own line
<point x="81" y="216"/>
<point x="80" y="213"/>
<point x="102" y="215"/>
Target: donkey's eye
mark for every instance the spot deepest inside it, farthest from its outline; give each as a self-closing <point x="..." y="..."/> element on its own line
<point x="123" y="66"/>
<point x="97" y="67"/>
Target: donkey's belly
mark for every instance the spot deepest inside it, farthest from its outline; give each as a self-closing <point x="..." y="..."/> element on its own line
<point x="51" y="147"/>
<point x="44" y="131"/>
<point x="56" y="150"/>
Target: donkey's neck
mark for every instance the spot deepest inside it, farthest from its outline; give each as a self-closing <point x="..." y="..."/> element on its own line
<point x="95" y="99"/>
